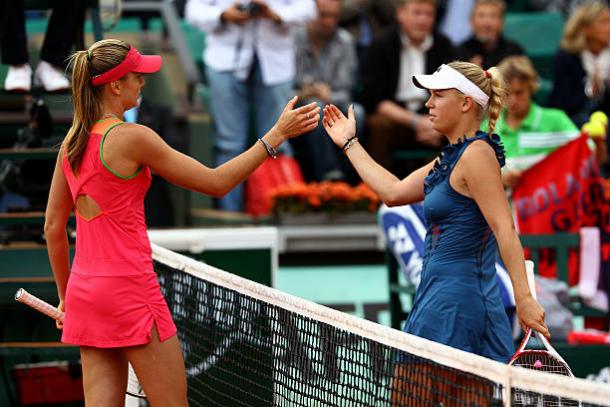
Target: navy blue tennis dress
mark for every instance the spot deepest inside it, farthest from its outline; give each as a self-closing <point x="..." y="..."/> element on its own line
<point x="458" y="301"/>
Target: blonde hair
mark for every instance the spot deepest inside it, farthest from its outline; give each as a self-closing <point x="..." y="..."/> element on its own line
<point x="519" y="68"/>
<point x="86" y="98"/>
<point x="493" y="86"/>
<point x="574" y="39"/>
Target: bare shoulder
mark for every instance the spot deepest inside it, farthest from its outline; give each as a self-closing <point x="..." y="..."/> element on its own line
<point x="135" y="133"/>
<point x="480" y="155"/>
<point x="135" y="129"/>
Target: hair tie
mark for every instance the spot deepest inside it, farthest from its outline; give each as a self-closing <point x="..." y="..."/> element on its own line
<point x="89" y="55"/>
<point x="487" y="75"/>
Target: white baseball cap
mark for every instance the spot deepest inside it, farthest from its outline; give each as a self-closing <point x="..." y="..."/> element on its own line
<point x="446" y="77"/>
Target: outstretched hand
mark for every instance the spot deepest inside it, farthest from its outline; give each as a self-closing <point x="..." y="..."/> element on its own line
<point x="339" y="128"/>
<point x="294" y="122"/>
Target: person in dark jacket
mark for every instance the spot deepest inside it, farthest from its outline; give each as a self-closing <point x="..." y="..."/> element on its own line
<point x="396" y="107"/>
<point x="582" y="64"/>
<point x="487" y="47"/>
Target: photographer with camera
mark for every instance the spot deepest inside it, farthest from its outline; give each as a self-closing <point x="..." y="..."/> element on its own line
<point x="240" y="12"/>
<point x="250" y="67"/>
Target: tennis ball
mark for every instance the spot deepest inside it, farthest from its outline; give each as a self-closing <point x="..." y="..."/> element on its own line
<point x="594" y="129"/>
<point x="599" y="117"/>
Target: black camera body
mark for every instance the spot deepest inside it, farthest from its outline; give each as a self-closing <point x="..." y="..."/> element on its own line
<point x="251" y="8"/>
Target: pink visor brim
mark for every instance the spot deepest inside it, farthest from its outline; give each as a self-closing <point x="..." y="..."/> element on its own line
<point x="133" y="62"/>
<point x="149" y="64"/>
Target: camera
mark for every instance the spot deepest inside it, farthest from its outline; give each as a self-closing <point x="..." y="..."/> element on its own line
<point x="251" y="8"/>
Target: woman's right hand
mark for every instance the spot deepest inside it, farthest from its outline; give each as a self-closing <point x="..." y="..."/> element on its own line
<point x="61" y="307"/>
<point x="294" y="122"/>
<point x="339" y="128"/>
<point x="531" y="315"/>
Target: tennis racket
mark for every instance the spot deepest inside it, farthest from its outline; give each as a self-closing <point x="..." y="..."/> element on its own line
<point x="133" y="386"/>
<point x="543" y="360"/>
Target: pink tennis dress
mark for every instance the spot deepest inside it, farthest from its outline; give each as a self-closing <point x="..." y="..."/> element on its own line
<point x="113" y="298"/>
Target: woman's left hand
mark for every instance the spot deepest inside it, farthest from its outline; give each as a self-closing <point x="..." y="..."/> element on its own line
<point x="339" y="128"/>
<point x="531" y="314"/>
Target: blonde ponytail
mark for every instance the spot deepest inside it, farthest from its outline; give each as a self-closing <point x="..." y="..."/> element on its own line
<point x="496" y="97"/>
<point x="86" y="109"/>
<point x="99" y="58"/>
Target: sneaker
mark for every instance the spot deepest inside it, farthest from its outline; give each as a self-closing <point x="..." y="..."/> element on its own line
<point x="50" y="78"/>
<point x="18" y="78"/>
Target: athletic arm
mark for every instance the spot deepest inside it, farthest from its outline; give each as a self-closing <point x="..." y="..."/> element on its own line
<point x="185" y="171"/>
<point x="391" y="190"/>
<point x="59" y="207"/>
<point x="482" y="178"/>
<point x="189" y="173"/>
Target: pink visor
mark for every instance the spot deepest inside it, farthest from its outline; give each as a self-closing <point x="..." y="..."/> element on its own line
<point x="133" y="62"/>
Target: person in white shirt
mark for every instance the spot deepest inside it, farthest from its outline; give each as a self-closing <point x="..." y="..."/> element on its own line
<point x="326" y="66"/>
<point x="397" y="117"/>
<point x="250" y="66"/>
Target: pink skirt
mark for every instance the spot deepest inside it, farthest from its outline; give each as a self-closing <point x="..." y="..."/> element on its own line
<point x="110" y="312"/>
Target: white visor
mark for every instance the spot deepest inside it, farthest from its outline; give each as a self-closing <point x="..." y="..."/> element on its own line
<point x="446" y="77"/>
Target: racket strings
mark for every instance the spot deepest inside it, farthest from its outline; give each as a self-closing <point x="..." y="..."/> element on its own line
<point x="542" y="362"/>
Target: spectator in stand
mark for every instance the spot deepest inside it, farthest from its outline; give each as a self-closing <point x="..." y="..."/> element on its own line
<point x="582" y="65"/>
<point x="487" y="47"/>
<point x="67" y="17"/>
<point x="250" y="66"/>
<point x="529" y="132"/>
<point x="398" y="117"/>
<point x="326" y="69"/>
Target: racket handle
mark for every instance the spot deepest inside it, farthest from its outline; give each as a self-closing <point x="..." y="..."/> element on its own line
<point x="531" y="282"/>
<point x="42" y="306"/>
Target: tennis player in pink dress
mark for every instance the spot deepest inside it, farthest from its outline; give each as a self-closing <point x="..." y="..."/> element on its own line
<point x="114" y="309"/>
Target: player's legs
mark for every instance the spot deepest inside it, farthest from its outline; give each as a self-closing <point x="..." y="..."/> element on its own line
<point x="160" y="370"/>
<point x="104" y="376"/>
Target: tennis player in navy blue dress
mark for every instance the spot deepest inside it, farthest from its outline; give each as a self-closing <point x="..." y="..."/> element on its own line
<point x="469" y="220"/>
